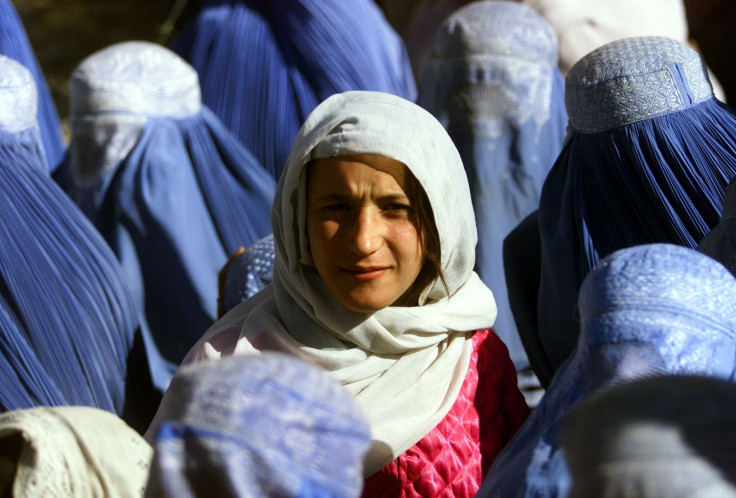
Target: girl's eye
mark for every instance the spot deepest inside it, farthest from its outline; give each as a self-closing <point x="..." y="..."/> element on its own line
<point x="338" y="206"/>
<point x="398" y="207"/>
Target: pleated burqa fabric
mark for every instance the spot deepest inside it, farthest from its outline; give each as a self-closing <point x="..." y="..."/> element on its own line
<point x="648" y="160"/>
<point x="258" y="425"/>
<point x="264" y="66"/>
<point x="171" y="189"/>
<point x="671" y="436"/>
<point x="69" y="328"/>
<point x="14" y="43"/>
<point x="655" y="309"/>
<point x="492" y="81"/>
<point x="720" y="243"/>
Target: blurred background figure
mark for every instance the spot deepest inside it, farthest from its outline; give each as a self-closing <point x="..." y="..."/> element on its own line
<point x="170" y="188"/>
<point x="264" y="66"/>
<point x="70" y="451"/>
<point x="492" y="81"/>
<point x="720" y="243"/>
<point x="70" y="328"/>
<point x="656" y="309"/>
<point x="14" y="43"/>
<point x="664" y="436"/>
<point x="258" y="425"/>
<point x="648" y="159"/>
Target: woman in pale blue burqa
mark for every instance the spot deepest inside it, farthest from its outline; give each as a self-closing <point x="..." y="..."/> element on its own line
<point x="655" y="309"/>
<point x="171" y="189"/>
<point x="648" y="160"/>
<point x="492" y="81"/>
<point x="258" y="425"/>
<point x="264" y="66"/>
<point x="69" y="328"/>
<point x="14" y="43"/>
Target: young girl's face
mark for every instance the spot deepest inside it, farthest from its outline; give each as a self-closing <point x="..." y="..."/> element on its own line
<point x="363" y="241"/>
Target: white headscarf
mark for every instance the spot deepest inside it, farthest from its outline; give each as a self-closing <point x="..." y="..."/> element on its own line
<point x="404" y="365"/>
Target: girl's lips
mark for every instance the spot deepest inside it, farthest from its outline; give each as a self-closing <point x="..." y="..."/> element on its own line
<point x="367" y="273"/>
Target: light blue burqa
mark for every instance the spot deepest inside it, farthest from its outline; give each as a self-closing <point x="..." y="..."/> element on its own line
<point x="171" y="189"/>
<point x="492" y="81"/>
<point x="258" y="425"/>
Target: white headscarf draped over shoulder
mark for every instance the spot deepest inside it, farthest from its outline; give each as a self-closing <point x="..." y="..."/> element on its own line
<point x="404" y="365"/>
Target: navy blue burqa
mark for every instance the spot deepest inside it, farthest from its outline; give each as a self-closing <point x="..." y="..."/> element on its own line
<point x="648" y="160"/>
<point x="264" y="66"/>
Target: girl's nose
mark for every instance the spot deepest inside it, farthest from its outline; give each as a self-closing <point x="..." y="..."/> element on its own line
<point x="366" y="238"/>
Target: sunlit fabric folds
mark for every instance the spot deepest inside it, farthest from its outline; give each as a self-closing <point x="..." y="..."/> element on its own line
<point x="265" y="65"/>
<point x="68" y="324"/>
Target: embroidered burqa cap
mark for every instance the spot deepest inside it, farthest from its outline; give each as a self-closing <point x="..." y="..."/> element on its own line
<point x="647" y="161"/>
<point x="655" y="309"/>
<point x="258" y="425"/>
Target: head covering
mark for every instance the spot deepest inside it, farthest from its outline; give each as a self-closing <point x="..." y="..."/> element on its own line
<point x="584" y="25"/>
<point x="14" y="43"/>
<point x="492" y="81"/>
<point x="250" y="273"/>
<point x="265" y="66"/>
<point x="258" y="425"/>
<point x="405" y="365"/>
<point x="68" y="321"/>
<point x="648" y="160"/>
<point x="71" y="451"/>
<point x="171" y="189"/>
<point x="720" y="243"/>
<point x="665" y="436"/>
<point x="647" y="310"/>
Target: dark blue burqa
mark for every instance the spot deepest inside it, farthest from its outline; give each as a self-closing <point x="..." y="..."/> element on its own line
<point x="264" y="66"/>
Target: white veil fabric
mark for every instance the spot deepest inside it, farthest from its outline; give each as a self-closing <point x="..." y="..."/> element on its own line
<point x="404" y="365"/>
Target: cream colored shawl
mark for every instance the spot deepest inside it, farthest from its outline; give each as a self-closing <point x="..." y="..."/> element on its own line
<point x="71" y="451"/>
<point x="404" y="365"/>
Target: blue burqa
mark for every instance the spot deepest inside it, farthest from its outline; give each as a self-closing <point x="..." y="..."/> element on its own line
<point x="69" y="328"/>
<point x="264" y="66"/>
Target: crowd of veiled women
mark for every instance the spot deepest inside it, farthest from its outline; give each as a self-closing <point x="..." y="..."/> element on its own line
<point x="297" y="254"/>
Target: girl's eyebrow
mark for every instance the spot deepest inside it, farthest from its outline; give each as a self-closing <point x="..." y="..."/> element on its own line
<point x="333" y="197"/>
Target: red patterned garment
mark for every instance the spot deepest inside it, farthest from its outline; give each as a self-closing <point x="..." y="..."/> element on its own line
<point x="452" y="459"/>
